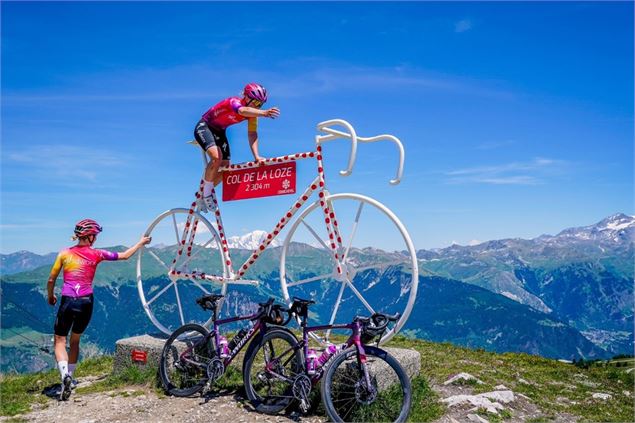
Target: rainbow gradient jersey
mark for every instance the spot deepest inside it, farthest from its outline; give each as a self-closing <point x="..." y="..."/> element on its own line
<point x="79" y="264"/>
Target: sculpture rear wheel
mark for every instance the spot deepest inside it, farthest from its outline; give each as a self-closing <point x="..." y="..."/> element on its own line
<point x="167" y="297"/>
<point x="377" y="259"/>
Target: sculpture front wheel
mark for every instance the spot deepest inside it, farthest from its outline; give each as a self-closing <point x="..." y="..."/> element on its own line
<point x="377" y="263"/>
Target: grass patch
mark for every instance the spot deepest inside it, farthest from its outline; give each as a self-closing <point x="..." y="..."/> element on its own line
<point x="131" y="375"/>
<point x="425" y="402"/>
<point x="546" y="379"/>
<point x="20" y="392"/>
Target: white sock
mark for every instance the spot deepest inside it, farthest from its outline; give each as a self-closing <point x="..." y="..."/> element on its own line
<point x="207" y="188"/>
<point x="71" y="368"/>
<point x="63" y="366"/>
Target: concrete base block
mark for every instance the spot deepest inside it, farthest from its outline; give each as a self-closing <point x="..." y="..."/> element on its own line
<point x="410" y="360"/>
<point x="152" y="345"/>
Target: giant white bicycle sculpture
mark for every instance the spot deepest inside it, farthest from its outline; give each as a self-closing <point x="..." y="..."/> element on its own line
<point x="318" y="259"/>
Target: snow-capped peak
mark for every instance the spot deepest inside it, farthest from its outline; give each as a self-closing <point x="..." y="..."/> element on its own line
<point x="616" y="228"/>
<point x="249" y="241"/>
<point x="616" y="222"/>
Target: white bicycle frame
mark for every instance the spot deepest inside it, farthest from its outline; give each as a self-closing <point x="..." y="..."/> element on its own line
<point x="234" y="276"/>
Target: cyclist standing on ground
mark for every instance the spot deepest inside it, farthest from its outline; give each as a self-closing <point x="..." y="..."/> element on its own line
<point x="76" y="308"/>
<point x="210" y="131"/>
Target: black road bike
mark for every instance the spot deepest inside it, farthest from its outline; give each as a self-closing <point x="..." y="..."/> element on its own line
<point x="193" y="357"/>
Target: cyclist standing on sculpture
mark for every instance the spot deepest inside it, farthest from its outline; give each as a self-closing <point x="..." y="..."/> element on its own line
<point x="76" y="308"/>
<point x="210" y="131"/>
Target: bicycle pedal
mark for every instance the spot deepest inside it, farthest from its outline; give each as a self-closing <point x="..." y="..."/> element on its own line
<point x="305" y="406"/>
<point x="206" y="388"/>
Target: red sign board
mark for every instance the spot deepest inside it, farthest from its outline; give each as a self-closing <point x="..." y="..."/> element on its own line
<point x="261" y="181"/>
<point x="139" y="356"/>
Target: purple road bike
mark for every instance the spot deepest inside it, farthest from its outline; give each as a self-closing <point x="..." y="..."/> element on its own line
<point x="358" y="382"/>
<point x="193" y="358"/>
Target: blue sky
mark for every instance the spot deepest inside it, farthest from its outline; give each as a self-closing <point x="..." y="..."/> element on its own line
<point x="517" y="118"/>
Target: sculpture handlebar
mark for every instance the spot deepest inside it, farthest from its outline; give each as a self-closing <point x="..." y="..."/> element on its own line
<point x="331" y="134"/>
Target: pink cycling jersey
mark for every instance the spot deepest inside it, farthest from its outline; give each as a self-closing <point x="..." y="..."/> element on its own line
<point x="224" y="113"/>
<point x="79" y="265"/>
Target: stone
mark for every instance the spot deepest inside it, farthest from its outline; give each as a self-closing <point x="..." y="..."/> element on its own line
<point x="488" y="400"/>
<point x="476" y="400"/>
<point x="602" y="396"/>
<point x="462" y="377"/>
<point x="410" y="360"/>
<point x="151" y="344"/>
<point x="500" y="396"/>
<point x="476" y="418"/>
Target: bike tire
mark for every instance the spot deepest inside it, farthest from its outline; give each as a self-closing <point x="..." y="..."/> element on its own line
<point x="354" y="410"/>
<point x="270" y="404"/>
<point x="189" y="379"/>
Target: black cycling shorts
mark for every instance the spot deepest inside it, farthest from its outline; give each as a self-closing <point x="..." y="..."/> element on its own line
<point x="207" y="136"/>
<point x="73" y="313"/>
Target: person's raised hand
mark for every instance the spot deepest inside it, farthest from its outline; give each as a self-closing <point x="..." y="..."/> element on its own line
<point x="272" y="113"/>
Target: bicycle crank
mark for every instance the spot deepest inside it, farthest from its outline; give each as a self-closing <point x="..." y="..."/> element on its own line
<point x="215" y="369"/>
<point x="301" y="390"/>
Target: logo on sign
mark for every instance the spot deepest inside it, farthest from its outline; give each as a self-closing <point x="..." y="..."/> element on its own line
<point x="139" y="356"/>
<point x="262" y="181"/>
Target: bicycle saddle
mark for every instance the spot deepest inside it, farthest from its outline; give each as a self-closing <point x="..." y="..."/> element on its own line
<point x="303" y="302"/>
<point x="301" y="307"/>
<point x="208" y="302"/>
<point x="268" y="303"/>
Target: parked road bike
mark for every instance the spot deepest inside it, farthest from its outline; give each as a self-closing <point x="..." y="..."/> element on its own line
<point x="346" y="250"/>
<point x="193" y="358"/>
<point x="359" y="382"/>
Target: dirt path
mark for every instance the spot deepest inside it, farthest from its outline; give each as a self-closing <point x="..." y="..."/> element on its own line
<point x="140" y="404"/>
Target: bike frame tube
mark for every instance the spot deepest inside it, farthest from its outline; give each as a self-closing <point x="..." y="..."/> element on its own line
<point x="353" y="339"/>
<point x="318" y="184"/>
<point x="253" y="330"/>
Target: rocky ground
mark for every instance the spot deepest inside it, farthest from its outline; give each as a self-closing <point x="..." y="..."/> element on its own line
<point x="140" y="404"/>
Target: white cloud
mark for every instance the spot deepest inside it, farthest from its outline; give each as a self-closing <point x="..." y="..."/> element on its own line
<point x="533" y="172"/>
<point x="324" y="77"/>
<point x="495" y="145"/>
<point x="67" y="164"/>
<point x="463" y="25"/>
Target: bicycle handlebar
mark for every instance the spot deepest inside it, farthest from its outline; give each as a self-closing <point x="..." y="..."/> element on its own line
<point x="332" y="134"/>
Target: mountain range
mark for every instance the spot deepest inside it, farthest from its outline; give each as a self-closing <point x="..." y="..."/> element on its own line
<point x="568" y="295"/>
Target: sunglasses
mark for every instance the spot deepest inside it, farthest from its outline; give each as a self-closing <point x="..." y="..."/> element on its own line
<point x="254" y="103"/>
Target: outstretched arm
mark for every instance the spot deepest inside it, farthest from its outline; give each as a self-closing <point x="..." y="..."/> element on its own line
<point x="130" y="251"/>
<point x="272" y="113"/>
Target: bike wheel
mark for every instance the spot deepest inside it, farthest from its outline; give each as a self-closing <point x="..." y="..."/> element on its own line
<point x="166" y="296"/>
<point x="375" y="254"/>
<point x="184" y="360"/>
<point x="268" y="354"/>
<point x="348" y="398"/>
